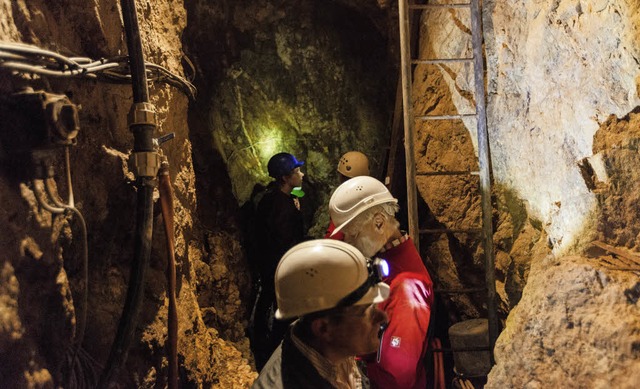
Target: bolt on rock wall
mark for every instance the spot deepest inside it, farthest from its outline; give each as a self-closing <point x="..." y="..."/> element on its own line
<point x="41" y="279"/>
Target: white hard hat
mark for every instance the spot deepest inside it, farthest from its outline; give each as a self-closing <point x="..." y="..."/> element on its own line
<point x="353" y="164"/>
<point x="356" y="196"/>
<point x="319" y="274"/>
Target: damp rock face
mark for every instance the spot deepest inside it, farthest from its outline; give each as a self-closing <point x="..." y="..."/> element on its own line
<point x="556" y="71"/>
<point x="574" y="326"/>
<point x="562" y="134"/>
<point x="306" y="77"/>
<point x="41" y="282"/>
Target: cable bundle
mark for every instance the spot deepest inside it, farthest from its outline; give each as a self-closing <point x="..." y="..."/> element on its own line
<point x="29" y="59"/>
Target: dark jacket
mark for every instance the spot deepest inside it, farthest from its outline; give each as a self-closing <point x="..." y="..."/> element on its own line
<point x="280" y="228"/>
<point x="288" y="368"/>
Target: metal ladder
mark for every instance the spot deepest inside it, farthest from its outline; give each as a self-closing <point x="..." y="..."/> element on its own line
<point x="486" y="229"/>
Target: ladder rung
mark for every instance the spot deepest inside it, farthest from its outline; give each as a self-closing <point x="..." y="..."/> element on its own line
<point x="449" y="173"/>
<point x="426" y="6"/>
<point x="440" y="60"/>
<point x="450" y="230"/>
<point x="460" y="291"/>
<point x="445" y="117"/>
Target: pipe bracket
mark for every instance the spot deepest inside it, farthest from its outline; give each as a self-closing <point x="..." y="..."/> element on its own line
<point x="145" y="163"/>
<point x="142" y="113"/>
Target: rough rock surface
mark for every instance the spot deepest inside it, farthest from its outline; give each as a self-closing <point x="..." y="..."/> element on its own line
<point x="453" y="202"/>
<point x="309" y="78"/>
<point x="563" y="91"/>
<point x="572" y="88"/>
<point x="556" y="71"/>
<point x="40" y="269"/>
<point x="573" y="328"/>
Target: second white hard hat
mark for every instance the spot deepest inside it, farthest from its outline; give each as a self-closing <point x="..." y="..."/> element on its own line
<point x="318" y="274"/>
<point x="356" y="196"/>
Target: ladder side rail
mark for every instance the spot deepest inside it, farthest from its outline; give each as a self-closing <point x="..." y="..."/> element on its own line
<point x="396" y="125"/>
<point x="395" y="134"/>
<point x="485" y="179"/>
<point x="405" y="53"/>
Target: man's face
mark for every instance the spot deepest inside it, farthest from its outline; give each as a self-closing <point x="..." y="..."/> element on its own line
<point x="355" y="329"/>
<point x="368" y="240"/>
<point x="295" y="178"/>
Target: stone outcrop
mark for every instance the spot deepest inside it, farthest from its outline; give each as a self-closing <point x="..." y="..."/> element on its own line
<point x="575" y="327"/>
<point x="562" y="90"/>
<point x="41" y="279"/>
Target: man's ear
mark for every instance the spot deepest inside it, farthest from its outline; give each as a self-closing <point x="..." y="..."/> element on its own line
<point x="379" y="221"/>
<point x="321" y="329"/>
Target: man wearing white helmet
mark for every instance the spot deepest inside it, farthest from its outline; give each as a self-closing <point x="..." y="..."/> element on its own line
<point x="333" y="290"/>
<point x="351" y="164"/>
<point x="364" y="210"/>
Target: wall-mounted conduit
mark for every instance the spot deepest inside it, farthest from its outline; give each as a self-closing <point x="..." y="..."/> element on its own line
<point x="145" y="162"/>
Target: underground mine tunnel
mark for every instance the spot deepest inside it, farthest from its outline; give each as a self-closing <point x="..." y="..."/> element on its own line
<point x="134" y="136"/>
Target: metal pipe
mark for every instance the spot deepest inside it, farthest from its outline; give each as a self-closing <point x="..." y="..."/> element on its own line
<point x="143" y="133"/>
<point x="81" y="320"/>
<point x="485" y="178"/>
<point x="166" y="203"/>
<point x="39" y="192"/>
<point x="129" y="318"/>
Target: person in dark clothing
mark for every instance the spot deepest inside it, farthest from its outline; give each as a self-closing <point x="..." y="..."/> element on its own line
<point x="279" y="227"/>
<point x="334" y="291"/>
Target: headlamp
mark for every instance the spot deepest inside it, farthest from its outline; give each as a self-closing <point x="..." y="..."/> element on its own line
<point x="378" y="268"/>
<point x="381" y="266"/>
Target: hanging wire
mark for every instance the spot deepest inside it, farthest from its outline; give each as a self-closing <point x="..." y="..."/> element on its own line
<point x="29" y="59"/>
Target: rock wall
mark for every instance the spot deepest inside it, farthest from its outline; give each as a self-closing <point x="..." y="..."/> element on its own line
<point x="309" y="78"/>
<point x="574" y="328"/>
<point x="563" y="91"/>
<point x="41" y="266"/>
<point x="556" y="71"/>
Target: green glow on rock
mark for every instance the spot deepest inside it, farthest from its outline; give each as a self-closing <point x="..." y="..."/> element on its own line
<point x="269" y="143"/>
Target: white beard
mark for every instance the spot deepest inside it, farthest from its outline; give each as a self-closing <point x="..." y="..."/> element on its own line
<point x="369" y="244"/>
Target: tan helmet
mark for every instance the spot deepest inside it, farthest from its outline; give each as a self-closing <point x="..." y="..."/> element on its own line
<point x="322" y="274"/>
<point x="353" y="164"/>
<point x="356" y="196"/>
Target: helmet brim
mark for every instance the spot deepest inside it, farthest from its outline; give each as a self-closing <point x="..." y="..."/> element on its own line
<point x="377" y="294"/>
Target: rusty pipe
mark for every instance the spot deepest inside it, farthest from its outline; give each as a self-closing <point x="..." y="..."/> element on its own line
<point x="166" y="203"/>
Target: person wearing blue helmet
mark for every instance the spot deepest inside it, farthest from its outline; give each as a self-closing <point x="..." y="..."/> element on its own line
<point x="280" y="226"/>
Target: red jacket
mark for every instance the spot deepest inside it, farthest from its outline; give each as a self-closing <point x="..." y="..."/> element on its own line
<point x="338" y="236"/>
<point x="404" y="342"/>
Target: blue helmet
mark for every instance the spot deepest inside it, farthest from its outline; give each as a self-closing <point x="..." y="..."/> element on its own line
<point x="282" y="164"/>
